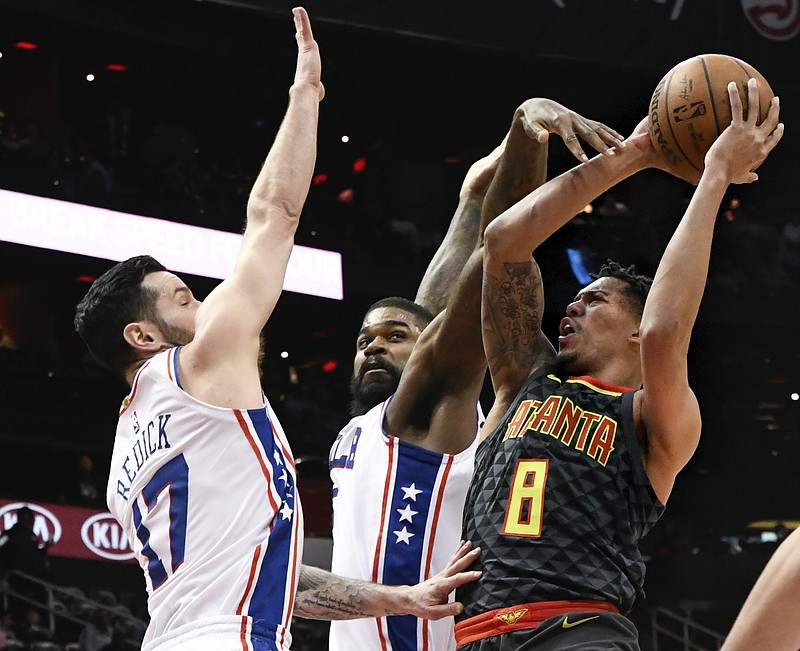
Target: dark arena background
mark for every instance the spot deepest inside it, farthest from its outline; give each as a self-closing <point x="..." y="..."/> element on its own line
<point x="166" y="109"/>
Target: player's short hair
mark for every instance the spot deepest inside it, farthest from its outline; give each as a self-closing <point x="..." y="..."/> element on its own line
<point x="423" y="315"/>
<point x="114" y="300"/>
<point x="636" y="287"/>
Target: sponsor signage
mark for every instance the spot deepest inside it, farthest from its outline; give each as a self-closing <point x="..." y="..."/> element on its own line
<point x="75" y="532"/>
<point x="109" y="235"/>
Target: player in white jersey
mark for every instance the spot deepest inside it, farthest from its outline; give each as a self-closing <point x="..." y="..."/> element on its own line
<point x="229" y="472"/>
<point x="403" y="528"/>
<point x="401" y="467"/>
<point x="202" y="477"/>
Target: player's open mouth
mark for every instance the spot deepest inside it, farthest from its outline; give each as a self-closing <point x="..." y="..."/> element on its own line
<point x="566" y="327"/>
<point x="374" y="375"/>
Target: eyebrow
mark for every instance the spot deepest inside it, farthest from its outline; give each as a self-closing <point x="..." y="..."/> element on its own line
<point x="183" y="288"/>
<point x="392" y="323"/>
<point x="590" y="291"/>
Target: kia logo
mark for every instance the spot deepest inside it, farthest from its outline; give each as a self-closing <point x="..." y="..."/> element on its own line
<point x="102" y="535"/>
<point x="778" y="20"/>
<point x="45" y="524"/>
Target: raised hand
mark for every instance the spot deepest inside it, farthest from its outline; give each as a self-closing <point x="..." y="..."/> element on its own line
<point x="743" y="146"/>
<point x="429" y="599"/>
<point x="309" y="65"/>
<point x="541" y="117"/>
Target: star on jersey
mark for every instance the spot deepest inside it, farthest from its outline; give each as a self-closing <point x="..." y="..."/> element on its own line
<point x="284" y="477"/>
<point x="286" y="511"/>
<point x="407" y="514"/>
<point x="404" y="535"/>
<point x="410" y="492"/>
<point x="278" y="460"/>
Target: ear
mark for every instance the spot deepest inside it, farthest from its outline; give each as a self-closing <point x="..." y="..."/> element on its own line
<point x="143" y="337"/>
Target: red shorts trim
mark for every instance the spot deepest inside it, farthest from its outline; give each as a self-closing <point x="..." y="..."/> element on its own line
<point x="515" y="618"/>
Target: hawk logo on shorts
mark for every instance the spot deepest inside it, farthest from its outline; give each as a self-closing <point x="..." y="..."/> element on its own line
<point x="511" y="617"/>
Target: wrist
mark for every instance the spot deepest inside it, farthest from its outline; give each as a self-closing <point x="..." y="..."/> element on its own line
<point x="400" y="601"/>
<point x="716" y="174"/>
<point x="306" y="86"/>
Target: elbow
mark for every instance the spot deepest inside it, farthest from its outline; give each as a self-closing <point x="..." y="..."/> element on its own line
<point x="663" y="338"/>
<point x="496" y="235"/>
<point x="260" y="209"/>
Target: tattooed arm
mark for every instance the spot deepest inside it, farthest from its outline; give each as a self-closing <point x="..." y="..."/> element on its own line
<point x="322" y="595"/>
<point x="512" y="297"/>
<point x="503" y="177"/>
<point x="462" y="234"/>
<point x="512" y="308"/>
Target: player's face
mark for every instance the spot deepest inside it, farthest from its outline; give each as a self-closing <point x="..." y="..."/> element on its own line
<point x="383" y="346"/>
<point x="599" y="326"/>
<point x="176" y="307"/>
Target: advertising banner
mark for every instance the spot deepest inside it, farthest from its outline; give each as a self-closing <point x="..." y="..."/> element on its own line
<point x="75" y="532"/>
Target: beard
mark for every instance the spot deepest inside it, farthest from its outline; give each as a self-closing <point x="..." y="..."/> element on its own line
<point x="570" y="362"/>
<point x="175" y="335"/>
<point x="366" y="396"/>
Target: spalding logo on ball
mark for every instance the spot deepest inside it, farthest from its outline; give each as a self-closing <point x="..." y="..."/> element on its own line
<point x="690" y="108"/>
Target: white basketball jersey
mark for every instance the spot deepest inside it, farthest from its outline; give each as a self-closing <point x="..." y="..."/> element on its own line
<point x="207" y="497"/>
<point x="397" y="512"/>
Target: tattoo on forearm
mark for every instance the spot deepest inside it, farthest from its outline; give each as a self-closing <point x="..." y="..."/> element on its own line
<point x="439" y="281"/>
<point x="322" y="595"/>
<point x="513" y="316"/>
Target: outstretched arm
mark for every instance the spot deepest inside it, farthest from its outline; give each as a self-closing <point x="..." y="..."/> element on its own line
<point x="461" y="236"/>
<point x="768" y="619"/>
<point x="435" y="403"/>
<point x="666" y="409"/>
<point x="498" y="180"/>
<point x="322" y="595"/>
<point x="223" y="355"/>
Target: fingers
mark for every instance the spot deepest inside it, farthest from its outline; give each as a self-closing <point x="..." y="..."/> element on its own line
<point x="774" y="137"/>
<point x="574" y="145"/>
<point x="609" y="136"/>
<point x="737" y="113"/>
<point x="601" y="138"/>
<point x="309" y="67"/>
<point x="445" y="587"/>
<point x="462" y="559"/>
<point x="457" y="580"/>
<point x="445" y="610"/>
<point x="771" y="121"/>
<point x="617" y="137"/>
<point x="536" y="131"/>
<point x="302" y="25"/>
<point x="753" y="101"/>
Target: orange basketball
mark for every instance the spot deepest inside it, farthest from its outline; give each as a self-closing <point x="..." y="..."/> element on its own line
<point x="690" y="108"/>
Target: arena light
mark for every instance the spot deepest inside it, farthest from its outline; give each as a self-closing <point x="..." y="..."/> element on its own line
<point x="109" y="235"/>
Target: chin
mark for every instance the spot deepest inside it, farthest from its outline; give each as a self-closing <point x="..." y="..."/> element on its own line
<point x="568" y="360"/>
<point x="365" y="397"/>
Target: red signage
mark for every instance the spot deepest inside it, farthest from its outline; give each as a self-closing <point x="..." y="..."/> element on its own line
<point x="75" y="532"/>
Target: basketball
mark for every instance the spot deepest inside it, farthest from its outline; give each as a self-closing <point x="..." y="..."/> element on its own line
<point x="690" y="108"/>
